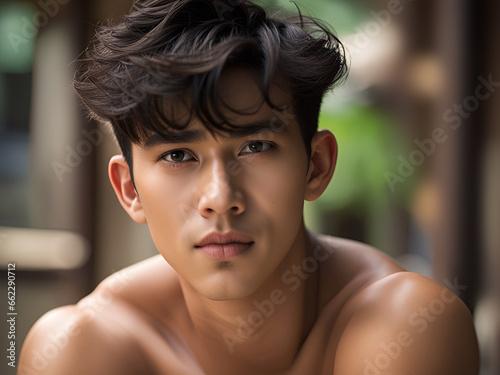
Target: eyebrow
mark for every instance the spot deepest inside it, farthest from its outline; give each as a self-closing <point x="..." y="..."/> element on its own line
<point x="189" y="136"/>
<point x="184" y="136"/>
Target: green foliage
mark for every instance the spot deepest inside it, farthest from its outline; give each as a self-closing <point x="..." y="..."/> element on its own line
<point x="368" y="145"/>
<point x="343" y="16"/>
<point x="17" y="45"/>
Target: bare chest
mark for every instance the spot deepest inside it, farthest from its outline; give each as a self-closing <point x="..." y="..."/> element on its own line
<point x="168" y="350"/>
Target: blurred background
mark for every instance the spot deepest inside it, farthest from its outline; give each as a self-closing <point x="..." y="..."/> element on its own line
<point x="418" y="173"/>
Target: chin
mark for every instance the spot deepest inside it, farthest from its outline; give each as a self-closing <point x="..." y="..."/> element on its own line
<point x="222" y="288"/>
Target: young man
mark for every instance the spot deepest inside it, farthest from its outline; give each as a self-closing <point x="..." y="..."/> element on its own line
<point x="215" y="107"/>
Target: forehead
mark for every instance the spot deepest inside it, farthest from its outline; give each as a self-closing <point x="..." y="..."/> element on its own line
<point x="240" y="102"/>
<point x="238" y="88"/>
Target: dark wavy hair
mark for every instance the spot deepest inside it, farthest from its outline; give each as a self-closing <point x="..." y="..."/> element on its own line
<point x="170" y="52"/>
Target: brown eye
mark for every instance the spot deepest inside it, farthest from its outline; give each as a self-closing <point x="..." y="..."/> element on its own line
<point x="177" y="156"/>
<point x="257" y="147"/>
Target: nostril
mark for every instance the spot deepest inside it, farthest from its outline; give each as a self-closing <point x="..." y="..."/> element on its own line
<point x="224" y="202"/>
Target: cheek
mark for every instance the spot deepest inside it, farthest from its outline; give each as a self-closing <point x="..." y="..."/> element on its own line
<point x="166" y="202"/>
<point x="280" y="193"/>
<point x="156" y="195"/>
<point x="283" y="191"/>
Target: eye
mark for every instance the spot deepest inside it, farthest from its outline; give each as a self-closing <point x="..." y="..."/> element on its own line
<point x="176" y="156"/>
<point x="257" y="147"/>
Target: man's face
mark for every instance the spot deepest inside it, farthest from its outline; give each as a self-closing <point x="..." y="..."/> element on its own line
<point x="252" y="185"/>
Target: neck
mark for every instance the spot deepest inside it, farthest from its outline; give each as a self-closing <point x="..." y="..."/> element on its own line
<point x="265" y="330"/>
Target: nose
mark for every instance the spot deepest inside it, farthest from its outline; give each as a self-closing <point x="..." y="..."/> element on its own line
<point x="220" y="194"/>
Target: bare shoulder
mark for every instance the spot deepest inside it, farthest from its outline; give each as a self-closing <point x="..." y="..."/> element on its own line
<point x="347" y="266"/>
<point x="357" y="255"/>
<point x="405" y="323"/>
<point x="71" y="340"/>
<point x="98" y="335"/>
<point x="387" y="320"/>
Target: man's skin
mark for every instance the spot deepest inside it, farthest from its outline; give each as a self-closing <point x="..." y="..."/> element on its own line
<point x="293" y="302"/>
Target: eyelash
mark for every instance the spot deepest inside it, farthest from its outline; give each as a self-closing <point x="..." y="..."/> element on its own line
<point x="270" y="144"/>
<point x="176" y="164"/>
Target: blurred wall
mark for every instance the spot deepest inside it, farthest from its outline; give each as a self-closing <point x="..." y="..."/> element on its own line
<point x="425" y="61"/>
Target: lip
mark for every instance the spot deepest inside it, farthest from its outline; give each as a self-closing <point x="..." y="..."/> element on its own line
<point x="224" y="246"/>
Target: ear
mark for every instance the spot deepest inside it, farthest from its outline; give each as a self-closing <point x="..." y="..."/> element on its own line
<point x="321" y="165"/>
<point x="119" y="175"/>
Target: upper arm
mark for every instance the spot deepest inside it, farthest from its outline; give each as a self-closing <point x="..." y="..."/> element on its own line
<point x="68" y="340"/>
<point x="407" y="324"/>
